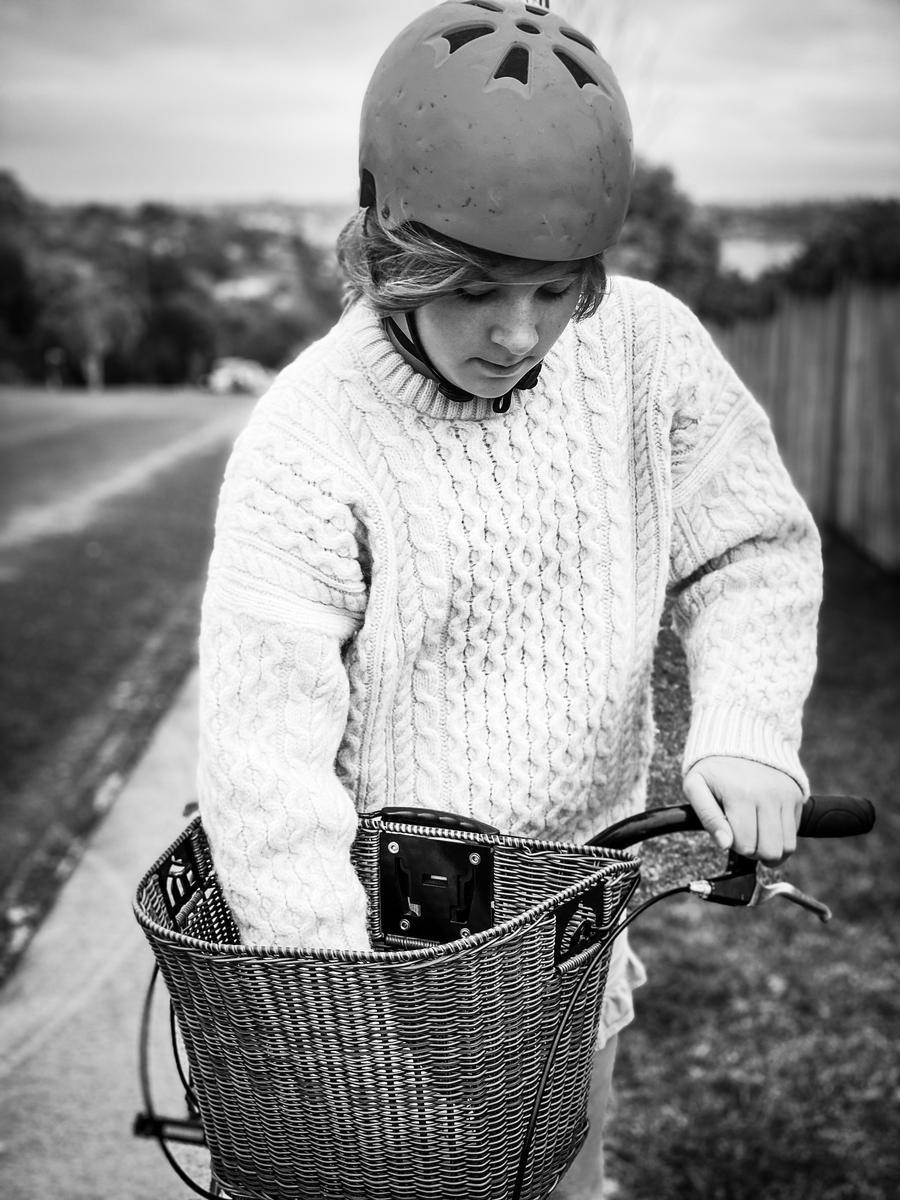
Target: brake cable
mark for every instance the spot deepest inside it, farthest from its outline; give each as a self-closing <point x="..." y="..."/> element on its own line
<point x="599" y="950"/>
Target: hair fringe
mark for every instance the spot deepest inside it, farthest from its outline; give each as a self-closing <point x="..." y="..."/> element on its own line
<point x="398" y="270"/>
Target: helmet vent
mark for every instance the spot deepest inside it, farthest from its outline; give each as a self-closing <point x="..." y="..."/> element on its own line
<point x="574" y="36"/>
<point x="487" y="4"/>
<point x="367" y="195"/>
<point x="581" y="76"/>
<point x="461" y="37"/>
<point x="526" y="27"/>
<point x="515" y="65"/>
<point x="535" y="12"/>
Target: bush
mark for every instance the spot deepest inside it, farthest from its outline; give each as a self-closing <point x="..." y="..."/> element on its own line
<point x="861" y="240"/>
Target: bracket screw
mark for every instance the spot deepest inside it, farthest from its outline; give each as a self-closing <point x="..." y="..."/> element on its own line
<point x="393" y="847"/>
<point x="474" y="859"/>
<point x="405" y="924"/>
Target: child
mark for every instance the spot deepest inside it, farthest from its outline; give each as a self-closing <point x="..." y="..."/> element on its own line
<point x="446" y="537"/>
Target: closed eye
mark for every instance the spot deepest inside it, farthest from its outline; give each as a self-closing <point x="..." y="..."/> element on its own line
<point x="474" y="296"/>
<point x="556" y="291"/>
<point x="550" y="291"/>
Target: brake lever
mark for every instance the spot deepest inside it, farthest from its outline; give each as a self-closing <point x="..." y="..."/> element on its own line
<point x="770" y="891"/>
<point x="739" y="886"/>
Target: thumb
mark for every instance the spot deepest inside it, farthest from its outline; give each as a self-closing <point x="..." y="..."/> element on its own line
<point x="707" y="808"/>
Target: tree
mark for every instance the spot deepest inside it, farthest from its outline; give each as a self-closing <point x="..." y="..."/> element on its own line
<point x="15" y="203"/>
<point x="16" y="294"/>
<point x="665" y="238"/>
<point x="86" y="315"/>
<point x="264" y="333"/>
<point x="180" y="340"/>
<point x="861" y="240"/>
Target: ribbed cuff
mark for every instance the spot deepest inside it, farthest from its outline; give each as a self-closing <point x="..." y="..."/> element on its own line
<point x="737" y="733"/>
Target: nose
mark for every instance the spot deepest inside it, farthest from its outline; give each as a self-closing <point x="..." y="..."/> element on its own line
<point x="515" y="328"/>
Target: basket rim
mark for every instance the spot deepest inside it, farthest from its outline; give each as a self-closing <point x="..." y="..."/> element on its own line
<point x="615" y="864"/>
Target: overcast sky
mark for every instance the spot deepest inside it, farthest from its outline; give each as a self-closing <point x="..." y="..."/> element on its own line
<point x="253" y="99"/>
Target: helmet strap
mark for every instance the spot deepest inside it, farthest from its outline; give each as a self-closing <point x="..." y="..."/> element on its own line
<point x="411" y="343"/>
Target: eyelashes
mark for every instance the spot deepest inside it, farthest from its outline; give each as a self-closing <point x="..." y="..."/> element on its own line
<point x="558" y="295"/>
<point x="546" y="293"/>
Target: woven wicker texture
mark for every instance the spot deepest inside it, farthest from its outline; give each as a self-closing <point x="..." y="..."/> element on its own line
<point x="400" y="1074"/>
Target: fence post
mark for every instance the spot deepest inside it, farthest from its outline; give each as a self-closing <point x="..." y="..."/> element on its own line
<point x="837" y="404"/>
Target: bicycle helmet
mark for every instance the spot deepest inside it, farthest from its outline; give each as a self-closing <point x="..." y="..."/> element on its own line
<point x="496" y="123"/>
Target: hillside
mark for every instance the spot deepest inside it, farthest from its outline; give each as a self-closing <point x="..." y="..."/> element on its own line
<point x="155" y="293"/>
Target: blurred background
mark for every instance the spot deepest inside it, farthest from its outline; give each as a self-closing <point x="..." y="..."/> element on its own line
<point x="172" y="179"/>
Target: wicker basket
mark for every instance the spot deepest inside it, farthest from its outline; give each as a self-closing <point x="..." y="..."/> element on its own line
<point x="410" y="1072"/>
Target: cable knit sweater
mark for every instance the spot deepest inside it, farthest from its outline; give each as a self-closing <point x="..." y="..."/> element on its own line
<point x="415" y="601"/>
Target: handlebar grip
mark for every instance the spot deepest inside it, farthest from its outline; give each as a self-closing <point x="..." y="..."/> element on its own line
<point x="836" y="816"/>
<point x="822" y="816"/>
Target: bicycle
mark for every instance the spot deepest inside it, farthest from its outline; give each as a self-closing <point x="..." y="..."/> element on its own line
<point x="472" y="1021"/>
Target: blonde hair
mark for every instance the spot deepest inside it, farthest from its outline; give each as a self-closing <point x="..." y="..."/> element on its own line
<point x="399" y="270"/>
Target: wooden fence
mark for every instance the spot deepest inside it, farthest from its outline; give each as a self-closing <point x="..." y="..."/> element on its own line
<point x="827" y="370"/>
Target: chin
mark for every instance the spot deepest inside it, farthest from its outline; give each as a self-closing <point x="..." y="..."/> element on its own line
<point x="488" y="389"/>
<point x="489" y="392"/>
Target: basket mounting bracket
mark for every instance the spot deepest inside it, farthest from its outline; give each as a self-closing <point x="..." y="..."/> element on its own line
<point x="434" y="889"/>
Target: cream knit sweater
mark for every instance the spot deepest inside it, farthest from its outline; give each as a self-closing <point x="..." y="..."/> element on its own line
<point x="413" y="601"/>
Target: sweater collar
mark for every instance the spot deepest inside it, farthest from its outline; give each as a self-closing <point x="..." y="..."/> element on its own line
<point x="399" y="382"/>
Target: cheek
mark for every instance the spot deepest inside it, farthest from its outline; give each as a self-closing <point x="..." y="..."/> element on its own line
<point x="555" y="322"/>
<point x="447" y="329"/>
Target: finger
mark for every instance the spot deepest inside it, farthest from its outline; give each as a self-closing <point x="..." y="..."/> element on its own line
<point x="777" y="839"/>
<point x="790" y="820"/>
<point x="707" y="808"/>
<point x="744" y="821"/>
<point x="770" y="837"/>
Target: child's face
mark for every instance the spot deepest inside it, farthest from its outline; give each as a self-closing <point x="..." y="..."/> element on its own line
<point x="486" y="336"/>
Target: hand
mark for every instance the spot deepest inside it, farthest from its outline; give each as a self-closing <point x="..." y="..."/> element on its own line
<point x="747" y="806"/>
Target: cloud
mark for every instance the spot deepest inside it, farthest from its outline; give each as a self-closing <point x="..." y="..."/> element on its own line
<point x="213" y="97"/>
<point x="757" y="100"/>
<point x="121" y="99"/>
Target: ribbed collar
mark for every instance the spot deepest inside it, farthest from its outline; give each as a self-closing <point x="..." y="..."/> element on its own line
<point x="400" y="383"/>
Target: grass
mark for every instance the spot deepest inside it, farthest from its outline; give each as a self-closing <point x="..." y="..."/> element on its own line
<point x="763" y="1063"/>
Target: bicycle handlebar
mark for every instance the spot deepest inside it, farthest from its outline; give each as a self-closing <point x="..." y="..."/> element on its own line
<point x="821" y="817"/>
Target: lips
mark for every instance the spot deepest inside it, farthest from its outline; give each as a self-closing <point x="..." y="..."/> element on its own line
<point x="501" y="368"/>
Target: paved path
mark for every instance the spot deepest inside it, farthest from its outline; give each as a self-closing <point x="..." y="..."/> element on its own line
<point x="74" y="511"/>
<point x="69" y="1015"/>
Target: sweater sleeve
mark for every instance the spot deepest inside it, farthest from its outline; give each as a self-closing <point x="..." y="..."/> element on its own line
<point x="745" y="566"/>
<point x="284" y="594"/>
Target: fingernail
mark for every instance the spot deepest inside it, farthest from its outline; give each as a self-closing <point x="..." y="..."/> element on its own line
<point x="723" y="839"/>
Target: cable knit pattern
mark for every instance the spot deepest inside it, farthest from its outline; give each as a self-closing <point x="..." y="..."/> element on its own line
<point x="417" y="602"/>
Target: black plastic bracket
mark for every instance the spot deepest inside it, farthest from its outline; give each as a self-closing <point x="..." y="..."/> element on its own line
<point x="172" y="1129"/>
<point x="580" y="924"/>
<point x="434" y="889"/>
<point x="178" y="878"/>
<point x="737" y="885"/>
